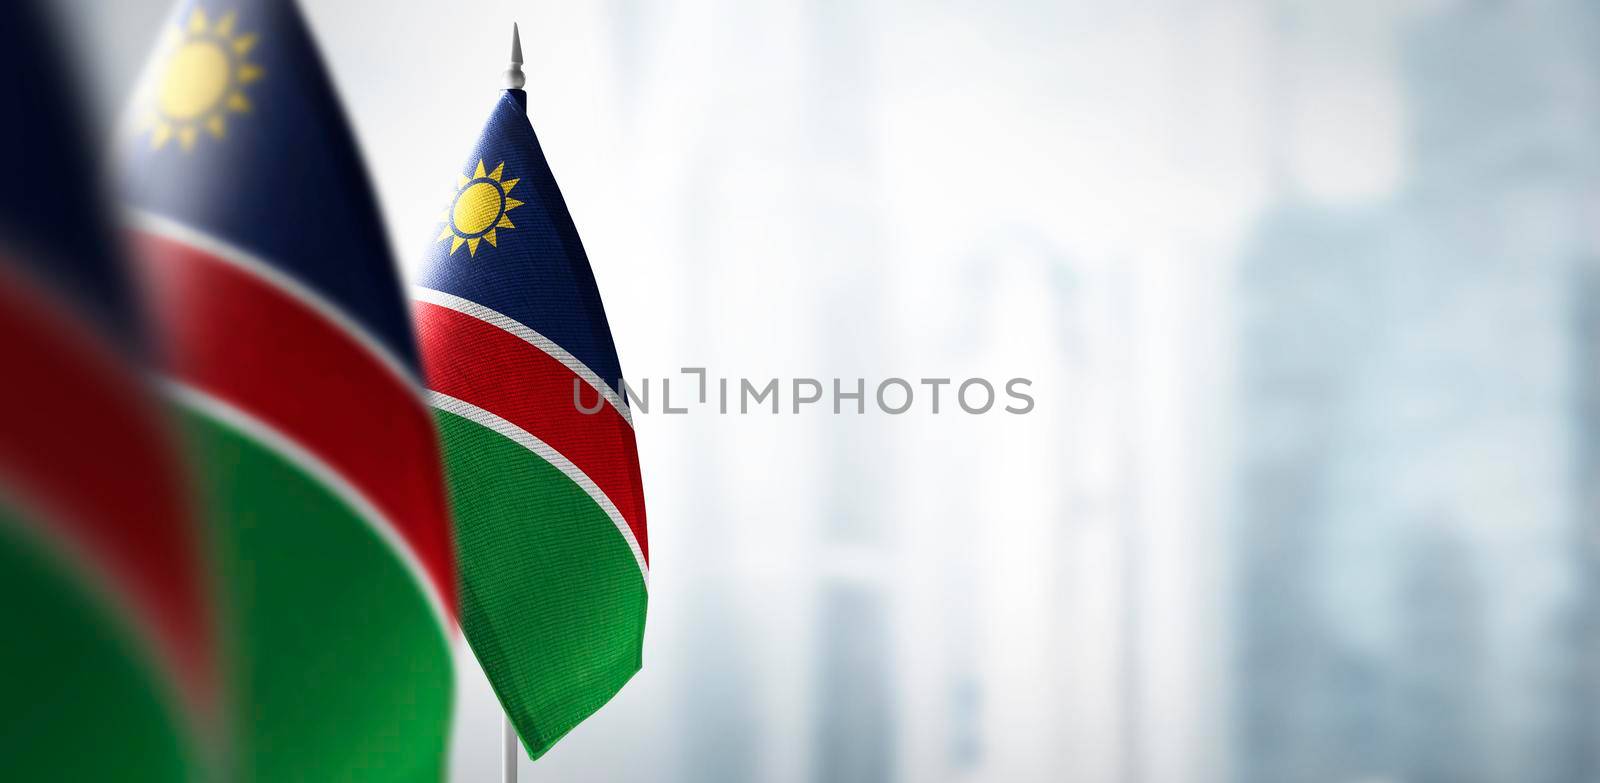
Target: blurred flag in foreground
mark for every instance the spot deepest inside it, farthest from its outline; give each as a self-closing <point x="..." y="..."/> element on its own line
<point x="549" y="509"/>
<point x="106" y="668"/>
<point x="290" y="358"/>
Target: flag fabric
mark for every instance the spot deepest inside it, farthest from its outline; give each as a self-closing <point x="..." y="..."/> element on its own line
<point x="108" y="667"/>
<point x="548" y="502"/>
<point x="291" y="361"/>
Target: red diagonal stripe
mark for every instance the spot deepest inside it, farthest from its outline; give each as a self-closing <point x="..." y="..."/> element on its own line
<point x="235" y="336"/>
<point x="505" y="375"/>
<point x="87" y="447"/>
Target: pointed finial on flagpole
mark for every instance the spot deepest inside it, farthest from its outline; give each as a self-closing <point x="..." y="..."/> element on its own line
<point x="514" y="77"/>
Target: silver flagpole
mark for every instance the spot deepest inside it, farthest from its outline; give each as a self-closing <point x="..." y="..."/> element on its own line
<point x="513" y="76"/>
<point x="509" y="750"/>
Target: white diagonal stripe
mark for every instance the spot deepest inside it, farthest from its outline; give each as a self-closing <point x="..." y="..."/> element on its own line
<point x="330" y="478"/>
<point x="506" y="323"/>
<point x="167" y="228"/>
<point x="527" y="440"/>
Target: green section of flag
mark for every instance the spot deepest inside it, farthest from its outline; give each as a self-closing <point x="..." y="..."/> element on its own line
<point x="341" y="672"/>
<point x="85" y="701"/>
<point x="552" y="599"/>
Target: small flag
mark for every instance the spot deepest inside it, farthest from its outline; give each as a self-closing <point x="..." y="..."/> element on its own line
<point x="107" y="670"/>
<point x="290" y="356"/>
<point x="548" y="503"/>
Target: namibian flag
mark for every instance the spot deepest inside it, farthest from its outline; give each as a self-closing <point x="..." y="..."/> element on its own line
<point x="107" y="666"/>
<point x="289" y="353"/>
<point x="549" y="509"/>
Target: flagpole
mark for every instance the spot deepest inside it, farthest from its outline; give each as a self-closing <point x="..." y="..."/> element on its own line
<point x="509" y="750"/>
<point x="513" y="76"/>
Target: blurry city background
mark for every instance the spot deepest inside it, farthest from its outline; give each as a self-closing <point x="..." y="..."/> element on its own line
<point x="1310" y="294"/>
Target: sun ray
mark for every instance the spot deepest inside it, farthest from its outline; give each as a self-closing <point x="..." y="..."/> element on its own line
<point x="243" y="44"/>
<point x="472" y="246"/>
<point x="250" y="73"/>
<point x="489" y="237"/>
<point x="445" y="232"/>
<point x="238" y="103"/>
<point x="456" y="244"/>
<point x="160" y="135"/>
<point x="507" y="185"/>
<point x="197" y="21"/>
<point x="186" y="136"/>
<point x="498" y="170"/>
<point x="505" y="222"/>
<point x="478" y="174"/>
<point x="216" y="125"/>
<point x="512" y="203"/>
<point x="224" y="28"/>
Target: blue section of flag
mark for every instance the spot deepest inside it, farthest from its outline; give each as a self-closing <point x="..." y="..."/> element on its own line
<point x="52" y="214"/>
<point x="283" y="180"/>
<point x="537" y="272"/>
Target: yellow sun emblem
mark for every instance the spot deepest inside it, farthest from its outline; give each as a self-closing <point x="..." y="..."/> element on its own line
<point x="200" y="81"/>
<point x="480" y="207"/>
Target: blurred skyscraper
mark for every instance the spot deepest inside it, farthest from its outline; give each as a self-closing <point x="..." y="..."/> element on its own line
<point x="854" y="711"/>
<point x="1414" y="457"/>
<point x="1305" y="709"/>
